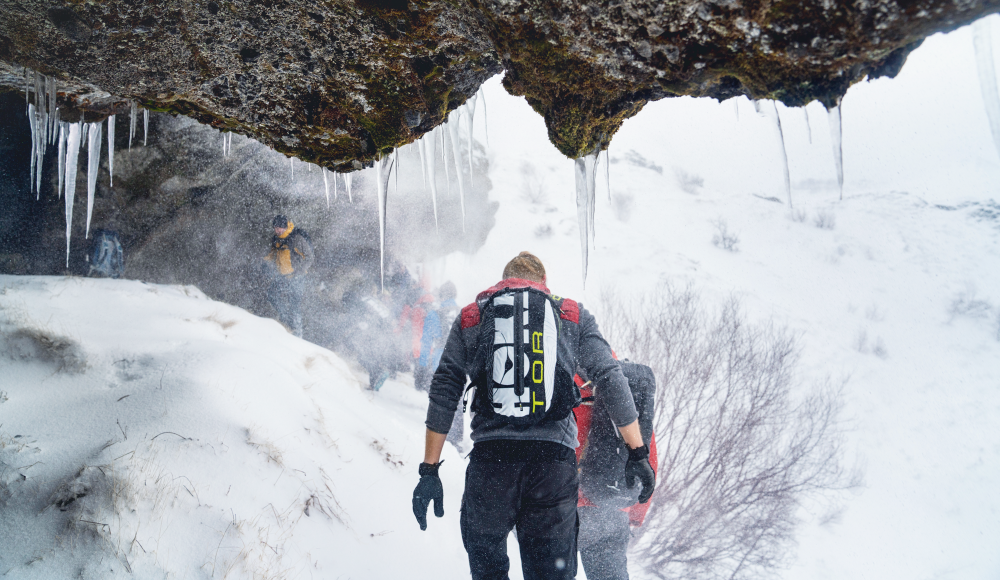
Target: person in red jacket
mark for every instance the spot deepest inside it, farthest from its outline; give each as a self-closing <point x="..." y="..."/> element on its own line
<point x="607" y="514"/>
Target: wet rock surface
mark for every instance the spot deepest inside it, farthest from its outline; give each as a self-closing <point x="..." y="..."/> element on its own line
<point x="340" y="83"/>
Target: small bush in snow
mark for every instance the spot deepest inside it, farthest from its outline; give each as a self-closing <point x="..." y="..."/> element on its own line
<point x="723" y="238"/>
<point x="544" y="231"/>
<point x="825" y="220"/>
<point x="741" y="444"/>
<point x="42" y="344"/>
<point x="797" y="215"/>
<point x="688" y="182"/>
<point x="967" y="304"/>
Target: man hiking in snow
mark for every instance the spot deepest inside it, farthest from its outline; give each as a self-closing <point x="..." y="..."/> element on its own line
<point x="521" y="346"/>
<point x="287" y="264"/>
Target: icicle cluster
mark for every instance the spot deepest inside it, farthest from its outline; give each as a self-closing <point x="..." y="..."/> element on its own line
<point x="47" y="129"/>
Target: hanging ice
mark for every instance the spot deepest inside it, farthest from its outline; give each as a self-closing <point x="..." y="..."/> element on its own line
<point x="607" y="170"/>
<point x="423" y="164"/>
<point x="470" y="107"/>
<point x="72" y="156"/>
<point x="443" y="130"/>
<point x="93" y="165"/>
<point x="736" y="108"/>
<point x="63" y="130"/>
<point x="805" y="111"/>
<point x="145" y="126"/>
<point x="334" y="187"/>
<point x="33" y="124"/>
<point x="347" y="184"/>
<point x="585" y="197"/>
<point x="836" y="136"/>
<point x="326" y="187"/>
<point x="772" y="114"/>
<point x="291" y="165"/>
<point x="383" y="167"/>
<point x="395" y="165"/>
<point x="111" y="149"/>
<point x="133" y="110"/>
<point x="430" y="162"/>
<point x="982" y="41"/>
<point x="486" y="124"/>
<point x="456" y="150"/>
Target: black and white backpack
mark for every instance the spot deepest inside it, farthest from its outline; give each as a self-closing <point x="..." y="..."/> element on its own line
<point x="525" y="355"/>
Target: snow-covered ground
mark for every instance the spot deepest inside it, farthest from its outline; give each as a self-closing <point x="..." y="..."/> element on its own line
<point x="210" y="443"/>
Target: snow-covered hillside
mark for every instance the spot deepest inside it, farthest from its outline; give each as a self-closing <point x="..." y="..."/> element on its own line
<point x="149" y="432"/>
<point x="214" y="444"/>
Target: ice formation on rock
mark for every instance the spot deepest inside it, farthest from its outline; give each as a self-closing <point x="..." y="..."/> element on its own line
<point x="805" y="111"/>
<point x="486" y="124"/>
<point x="469" y="110"/>
<point x="61" y="155"/>
<point x="383" y="167"/>
<point x="111" y="149"/>
<point x="772" y="114"/>
<point x="145" y="126"/>
<point x="347" y="184"/>
<point x="72" y="156"/>
<point x="93" y="166"/>
<point x="133" y="111"/>
<point x="456" y="149"/>
<point x="430" y="161"/>
<point x="836" y="138"/>
<point x="585" y="200"/>
<point x="326" y="187"/>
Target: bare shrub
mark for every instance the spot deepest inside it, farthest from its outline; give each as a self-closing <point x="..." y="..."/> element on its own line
<point x="688" y="182"/>
<point x="544" y="232"/>
<point x="797" y="215"/>
<point x="825" y="220"/>
<point x="739" y="447"/>
<point x="723" y="238"/>
<point x="30" y="342"/>
<point x="967" y="304"/>
<point x="532" y="185"/>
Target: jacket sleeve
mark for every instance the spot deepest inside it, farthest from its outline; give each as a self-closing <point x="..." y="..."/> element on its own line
<point x="449" y="381"/>
<point x="611" y="386"/>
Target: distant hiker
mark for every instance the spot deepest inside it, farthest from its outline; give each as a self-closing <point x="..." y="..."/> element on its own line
<point x="286" y="265"/>
<point x="370" y="333"/>
<point x="436" y="325"/>
<point x="107" y="259"/>
<point x="521" y="345"/>
<point x="607" y="507"/>
<point x="410" y="328"/>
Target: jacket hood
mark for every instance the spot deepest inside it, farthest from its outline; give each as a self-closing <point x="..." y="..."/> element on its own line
<point x="512" y="283"/>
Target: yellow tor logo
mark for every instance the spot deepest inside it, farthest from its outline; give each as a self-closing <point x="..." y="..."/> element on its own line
<point x="536" y="342"/>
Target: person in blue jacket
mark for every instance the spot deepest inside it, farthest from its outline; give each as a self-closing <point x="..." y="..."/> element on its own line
<point x="437" y="325"/>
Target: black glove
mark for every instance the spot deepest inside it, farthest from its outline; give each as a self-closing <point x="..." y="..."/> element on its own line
<point x="637" y="467"/>
<point x="429" y="489"/>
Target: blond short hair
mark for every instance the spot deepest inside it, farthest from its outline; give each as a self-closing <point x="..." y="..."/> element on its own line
<point x="526" y="266"/>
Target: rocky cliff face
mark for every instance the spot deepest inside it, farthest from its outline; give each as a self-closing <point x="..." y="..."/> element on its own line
<point x="341" y="82"/>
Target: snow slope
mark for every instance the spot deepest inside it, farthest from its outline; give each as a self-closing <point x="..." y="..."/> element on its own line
<point x="202" y="441"/>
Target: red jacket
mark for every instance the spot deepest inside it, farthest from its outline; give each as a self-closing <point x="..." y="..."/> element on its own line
<point x="636" y="513"/>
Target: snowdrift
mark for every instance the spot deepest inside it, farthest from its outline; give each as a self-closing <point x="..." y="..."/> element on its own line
<point x="149" y="432"/>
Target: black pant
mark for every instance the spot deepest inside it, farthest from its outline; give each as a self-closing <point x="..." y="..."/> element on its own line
<point x="285" y="294"/>
<point x="604" y="535"/>
<point x="528" y="484"/>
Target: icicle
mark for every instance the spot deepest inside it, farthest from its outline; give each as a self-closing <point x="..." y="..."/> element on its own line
<point x="27" y="86"/>
<point x="486" y="124"/>
<point x="809" y="128"/>
<point x="41" y="121"/>
<point x="348" y="178"/>
<point x="736" y="108"/>
<point x="430" y="162"/>
<point x="229" y="149"/>
<point x="983" y="43"/>
<point x="607" y="170"/>
<point x="395" y="165"/>
<point x="72" y="156"/>
<point x="836" y="136"/>
<point x="470" y="107"/>
<point x="772" y="114"/>
<point x="335" y="186"/>
<point x="423" y="164"/>
<point x="784" y="154"/>
<point x="63" y="130"/>
<point x="93" y="165"/>
<point x="444" y="155"/>
<point x="456" y="151"/>
<point x="382" y="169"/>
<point x="326" y="188"/>
<point x="291" y="165"/>
<point x="53" y="112"/>
<point x="133" y="111"/>
<point x="111" y="149"/>
<point x="34" y="146"/>
<point x="145" y="126"/>
<point x="585" y="194"/>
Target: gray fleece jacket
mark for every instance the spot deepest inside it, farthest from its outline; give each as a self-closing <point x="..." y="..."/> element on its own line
<point x="593" y="355"/>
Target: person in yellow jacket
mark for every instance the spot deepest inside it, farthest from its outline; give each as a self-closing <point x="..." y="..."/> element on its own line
<point x="287" y="264"/>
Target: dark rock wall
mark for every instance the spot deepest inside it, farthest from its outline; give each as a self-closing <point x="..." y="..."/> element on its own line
<point x="341" y="82"/>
